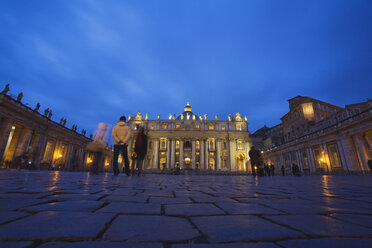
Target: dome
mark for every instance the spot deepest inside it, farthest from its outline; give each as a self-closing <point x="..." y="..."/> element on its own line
<point x="187" y="113"/>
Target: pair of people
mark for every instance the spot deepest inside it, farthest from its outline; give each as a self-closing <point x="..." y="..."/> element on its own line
<point x="121" y="135"/>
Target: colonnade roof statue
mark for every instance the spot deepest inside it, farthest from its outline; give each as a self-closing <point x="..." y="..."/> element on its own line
<point x="186" y="115"/>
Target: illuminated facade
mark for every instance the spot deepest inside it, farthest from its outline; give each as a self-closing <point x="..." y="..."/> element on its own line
<point x="322" y="138"/>
<point x="26" y="134"/>
<point x="191" y="141"/>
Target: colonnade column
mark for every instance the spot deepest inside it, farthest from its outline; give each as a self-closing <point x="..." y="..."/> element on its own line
<point x="202" y="164"/>
<point x="173" y="154"/>
<point x="312" y="166"/>
<point x="298" y="158"/>
<point x="193" y="155"/>
<point x="156" y="155"/>
<point x="40" y="149"/>
<point x="168" y="154"/>
<point x="5" y="129"/>
<point x="360" y="153"/>
<point x="229" y="152"/>
<point x="218" y="155"/>
<point x="206" y="154"/>
<point x="181" y="154"/>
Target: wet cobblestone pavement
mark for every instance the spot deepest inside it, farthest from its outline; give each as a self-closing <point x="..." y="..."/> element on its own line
<point x="76" y="209"/>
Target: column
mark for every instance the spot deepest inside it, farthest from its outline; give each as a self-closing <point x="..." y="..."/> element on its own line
<point x="312" y="166"/>
<point x="202" y="165"/>
<point x="40" y="149"/>
<point x="193" y="155"/>
<point x="362" y="159"/>
<point x="173" y="153"/>
<point x="181" y="153"/>
<point x="206" y="154"/>
<point x="348" y="158"/>
<point x="69" y="155"/>
<point x="218" y="155"/>
<point x="156" y="155"/>
<point x="299" y="160"/>
<point x="6" y="127"/>
<point x="342" y="155"/>
<point x="23" y="141"/>
<point x="229" y="152"/>
<point x="168" y="155"/>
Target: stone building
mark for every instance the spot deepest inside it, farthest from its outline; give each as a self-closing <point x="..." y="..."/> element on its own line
<point x="29" y="138"/>
<point x="322" y="138"/>
<point x="191" y="141"/>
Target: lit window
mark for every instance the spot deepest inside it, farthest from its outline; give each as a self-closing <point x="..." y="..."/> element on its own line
<point x="211" y="127"/>
<point x="197" y="145"/>
<point x="238" y="127"/>
<point x="164" y="126"/>
<point x="240" y="145"/>
<point x="197" y="153"/>
<point x="223" y="128"/>
<point x="163" y="144"/>
<point x="197" y="126"/>
<point x="177" y="144"/>
<point x="177" y="153"/>
<point x="162" y="153"/>
<point x="152" y="127"/>
<point x="177" y="126"/>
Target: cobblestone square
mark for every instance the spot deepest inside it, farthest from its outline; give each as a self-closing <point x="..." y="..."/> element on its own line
<point x="77" y="209"/>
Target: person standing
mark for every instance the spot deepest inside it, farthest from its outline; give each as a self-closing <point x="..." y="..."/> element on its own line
<point x="283" y="170"/>
<point x="140" y="148"/>
<point x="121" y="135"/>
<point x="272" y="169"/>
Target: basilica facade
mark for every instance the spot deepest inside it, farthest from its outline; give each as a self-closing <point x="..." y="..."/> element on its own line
<point x="192" y="142"/>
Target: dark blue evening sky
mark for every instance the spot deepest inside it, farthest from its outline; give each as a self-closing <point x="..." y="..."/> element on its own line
<point x="93" y="61"/>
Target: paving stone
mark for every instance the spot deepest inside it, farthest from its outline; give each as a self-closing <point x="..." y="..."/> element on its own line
<point x="241" y="228"/>
<point x="78" y="197"/>
<point x="14" y="204"/>
<point x="11" y="215"/>
<point x="327" y="243"/>
<point x="150" y="228"/>
<point x="243" y="208"/>
<point x="363" y="220"/>
<point x="211" y="199"/>
<point x="79" y="206"/>
<point x="131" y="208"/>
<point x="50" y="225"/>
<point x="168" y="200"/>
<point x="229" y="245"/>
<point x="321" y="225"/>
<point x="15" y="244"/>
<point x="98" y="244"/>
<point x="122" y="198"/>
<point x="193" y="209"/>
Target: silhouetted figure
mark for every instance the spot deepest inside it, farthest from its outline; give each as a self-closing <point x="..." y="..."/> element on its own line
<point x="272" y="169"/>
<point x="50" y="114"/>
<point x="295" y="170"/>
<point x="46" y="112"/>
<point x="5" y="90"/>
<point x="369" y="164"/>
<point x="256" y="162"/>
<point x="140" y="149"/>
<point x="121" y="135"/>
<point x="19" y="97"/>
<point x="64" y="122"/>
<point x="283" y="170"/>
<point x="267" y="170"/>
<point x="36" y="109"/>
<point x="61" y="121"/>
<point x="83" y="132"/>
